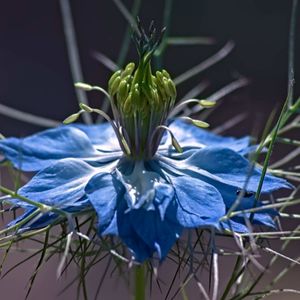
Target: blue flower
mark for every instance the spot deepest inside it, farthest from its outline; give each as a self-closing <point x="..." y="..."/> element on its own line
<point x="145" y="203"/>
<point x="147" y="178"/>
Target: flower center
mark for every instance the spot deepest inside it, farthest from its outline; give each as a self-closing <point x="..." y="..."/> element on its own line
<point x="142" y="100"/>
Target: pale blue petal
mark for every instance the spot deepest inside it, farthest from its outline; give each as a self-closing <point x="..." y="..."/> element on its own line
<point x="44" y="220"/>
<point x="164" y="194"/>
<point x="50" y="218"/>
<point x="190" y="136"/>
<point x="38" y="151"/>
<point x="60" y="185"/>
<point x="101" y="135"/>
<point x="238" y="224"/>
<point x="198" y="203"/>
<point x="235" y="225"/>
<point x="230" y="196"/>
<point x="223" y="165"/>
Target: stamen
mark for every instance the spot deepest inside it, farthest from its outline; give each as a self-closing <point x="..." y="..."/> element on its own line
<point x="175" y="143"/>
<point x="124" y="142"/>
<point x="72" y="118"/>
<point x="197" y="123"/>
<point x="203" y="103"/>
<point x="86" y="87"/>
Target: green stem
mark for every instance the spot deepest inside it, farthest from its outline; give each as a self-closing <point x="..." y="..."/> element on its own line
<point x="167" y="20"/>
<point x="126" y="40"/>
<point x="140" y="282"/>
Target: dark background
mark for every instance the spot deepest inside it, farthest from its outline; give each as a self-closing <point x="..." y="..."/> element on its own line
<point x="35" y="75"/>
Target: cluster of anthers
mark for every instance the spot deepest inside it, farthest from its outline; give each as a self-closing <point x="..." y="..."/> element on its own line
<point x="141" y="102"/>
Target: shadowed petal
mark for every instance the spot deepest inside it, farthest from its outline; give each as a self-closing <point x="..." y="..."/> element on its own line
<point x="104" y="192"/>
<point x="38" y="151"/>
<point x="160" y="235"/>
<point x="198" y="203"/>
<point x="141" y="251"/>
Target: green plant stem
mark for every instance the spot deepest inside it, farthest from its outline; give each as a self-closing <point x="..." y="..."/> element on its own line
<point x="140" y="282"/>
<point x="126" y="40"/>
<point x="167" y="20"/>
<point x="292" y="47"/>
<point x="73" y="53"/>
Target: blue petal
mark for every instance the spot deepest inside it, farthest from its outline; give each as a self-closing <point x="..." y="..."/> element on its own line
<point x="143" y="231"/>
<point x="59" y="185"/>
<point x="42" y="221"/>
<point x="160" y="235"/>
<point x="38" y="151"/>
<point x="235" y="225"/>
<point x="141" y="251"/>
<point x="164" y="194"/>
<point x="104" y="192"/>
<point x="50" y="218"/>
<point x="223" y="165"/>
<point x="238" y="224"/>
<point x="198" y="203"/>
<point x="230" y="196"/>
<point x="101" y="135"/>
<point x="190" y="136"/>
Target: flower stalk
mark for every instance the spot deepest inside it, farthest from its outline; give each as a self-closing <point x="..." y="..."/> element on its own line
<point x="140" y="282"/>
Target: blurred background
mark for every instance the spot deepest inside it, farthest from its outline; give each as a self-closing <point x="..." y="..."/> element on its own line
<point x="35" y="78"/>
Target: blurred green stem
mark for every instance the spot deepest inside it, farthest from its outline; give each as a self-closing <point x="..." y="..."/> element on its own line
<point x="291" y="60"/>
<point x="126" y="40"/>
<point x="164" y="43"/>
<point x="73" y="53"/>
<point x="140" y="282"/>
